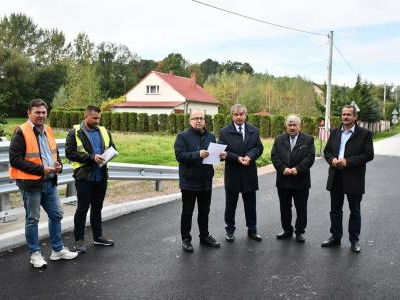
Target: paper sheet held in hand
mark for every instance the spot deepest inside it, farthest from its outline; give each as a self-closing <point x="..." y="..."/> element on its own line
<point x="108" y="155"/>
<point x="214" y="151"/>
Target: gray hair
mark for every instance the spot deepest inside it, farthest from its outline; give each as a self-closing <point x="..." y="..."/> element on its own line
<point x="238" y="106"/>
<point x="292" y="118"/>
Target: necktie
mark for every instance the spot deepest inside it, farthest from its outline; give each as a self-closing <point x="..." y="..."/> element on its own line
<point x="292" y="143"/>
<point x="240" y="131"/>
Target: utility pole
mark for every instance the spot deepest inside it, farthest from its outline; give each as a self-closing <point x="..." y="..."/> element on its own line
<point x="328" y="86"/>
<point x="384" y="101"/>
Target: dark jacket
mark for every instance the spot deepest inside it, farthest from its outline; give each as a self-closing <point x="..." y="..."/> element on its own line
<point x="84" y="172"/>
<point x="240" y="178"/>
<point x="302" y="158"/>
<point x="17" y="154"/>
<point x="358" y="151"/>
<point x="193" y="174"/>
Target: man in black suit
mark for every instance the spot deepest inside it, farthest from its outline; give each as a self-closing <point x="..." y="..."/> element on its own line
<point x="347" y="152"/>
<point x="244" y="147"/>
<point x="293" y="154"/>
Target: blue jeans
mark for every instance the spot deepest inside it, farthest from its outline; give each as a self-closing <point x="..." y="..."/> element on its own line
<point x="48" y="199"/>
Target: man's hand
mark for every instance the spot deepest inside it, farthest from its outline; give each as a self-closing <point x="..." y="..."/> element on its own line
<point x="247" y="160"/>
<point x="204" y="153"/>
<point x="293" y="171"/>
<point x="342" y="162"/>
<point x="58" y="167"/>
<point x="98" y="159"/>
<point x="223" y="155"/>
<point x="287" y="172"/>
<point x="47" y="170"/>
<point x="242" y="160"/>
<point x="335" y="162"/>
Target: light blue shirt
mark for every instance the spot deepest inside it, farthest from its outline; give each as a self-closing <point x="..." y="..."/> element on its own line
<point x="45" y="151"/>
<point x="344" y="138"/>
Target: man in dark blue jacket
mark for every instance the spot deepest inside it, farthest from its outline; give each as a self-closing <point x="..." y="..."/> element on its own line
<point x="244" y="147"/>
<point x="195" y="179"/>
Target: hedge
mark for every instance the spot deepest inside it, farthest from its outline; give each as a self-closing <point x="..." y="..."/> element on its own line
<point x="106" y="119"/>
<point x="209" y="123"/>
<point x="66" y="120"/>
<point x="180" y="125"/>
<point x="308" y="125"/>
<point x="143" y="122"/>
<point x="124" y="125"/>
<point x="153" y="126"/>
<point x="115" y="121"/>
<point x="218" y="123"/>
<point x="186" y="121"/>
<point x="132" y="122"/>
<point x="171" y="123"/>
<point x="162" y="119"/>
<point x="254" y="120"/>
<point x="53" y="118"/>
<point x="277" y="125"/>
<point x="265" y="125"/>
<point x="228" y="120"/>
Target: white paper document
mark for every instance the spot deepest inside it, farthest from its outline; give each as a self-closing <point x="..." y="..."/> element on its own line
<point x="108" y="155"/>
<point x="214" y="151"/>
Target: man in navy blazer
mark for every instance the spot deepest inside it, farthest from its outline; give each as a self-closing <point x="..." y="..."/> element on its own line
<point x="347" y="152"/>
<point x="244" y="147"/>
<point x="293" y="154"/>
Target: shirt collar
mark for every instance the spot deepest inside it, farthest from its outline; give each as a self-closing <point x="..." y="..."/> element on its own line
<point x="350" y="130"/>
<point x="33" y="126"/>
<point x="237" y="126"/>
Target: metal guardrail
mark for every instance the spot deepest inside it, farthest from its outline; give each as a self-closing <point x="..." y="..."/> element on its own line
<point x="117" y="171"/>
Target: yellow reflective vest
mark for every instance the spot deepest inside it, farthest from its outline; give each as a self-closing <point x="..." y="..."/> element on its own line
<point x="79" y="145"/>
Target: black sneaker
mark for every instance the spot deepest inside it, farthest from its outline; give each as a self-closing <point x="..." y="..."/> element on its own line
<point x="104" y="241"/>
<point x="80" y="246"/>
<point x="187" y="245"/>
<point x="209" y="241"/>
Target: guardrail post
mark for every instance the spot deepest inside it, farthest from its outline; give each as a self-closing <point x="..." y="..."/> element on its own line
<point x="71" y="189"/>
<point x="5" y="205"/>
<point x="158" y="185"/>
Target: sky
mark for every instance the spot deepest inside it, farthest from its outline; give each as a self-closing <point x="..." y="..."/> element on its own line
<point x="366" y="33"/>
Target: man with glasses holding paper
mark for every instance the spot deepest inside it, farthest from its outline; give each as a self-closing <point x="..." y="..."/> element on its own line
<point x="85" y="145"/>
<point x="195" y="179"/>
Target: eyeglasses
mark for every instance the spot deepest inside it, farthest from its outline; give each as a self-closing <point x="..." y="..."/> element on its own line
<point x="197" y="119"/>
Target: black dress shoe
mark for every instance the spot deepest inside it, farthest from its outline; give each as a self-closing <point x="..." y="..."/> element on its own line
<point x="330" y="242"/>
<point x="187" y="245"/>
<point x="355" y="247"/>
<point x="300" y="238"/>
<point x="284" y="235"/>
<point x="230" y="237"/>
<point x="209" y="241"/>
<point x="254" y="236"/>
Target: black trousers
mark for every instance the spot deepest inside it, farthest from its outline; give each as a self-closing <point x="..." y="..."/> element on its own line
<point x="249" y="201"/>
<point x="336" y="214"/>
<point x="90" y="194"/>
<point x="300" y="198"/>
<point x="203" y="206"/>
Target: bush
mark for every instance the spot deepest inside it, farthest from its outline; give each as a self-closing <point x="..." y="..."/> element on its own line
<point x="108" y="104"/>
<point x="53" y="119"/>
<point x="218" y="123"/>
<point x="209" y="123"/>
<point x="171" y="123"/>
<point x="162" y="118"/>
<point x="308" y="125"/>
<point x="66" y="120"/>
<point x="153" y="126"/>
<point x="115" y="121"/>
<point x="335" y="121"/>
<point x="143" y="122"/>
<point x="265" y="124"/>
<point x="254" y="120"/>
<point x="132" y="122"/>
<point x="180" y="125"/>
<point x="59" y="117"/>
<point x="75" y="117"/>
<point x="228" y="120"/>
<point x="277" y="125"/>
<point x="106" y="119"/>
<point x="124" y="126"/>
<point x="186" y="121"/>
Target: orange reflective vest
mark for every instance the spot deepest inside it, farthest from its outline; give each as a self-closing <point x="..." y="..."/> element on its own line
<point x="32" y="152"/>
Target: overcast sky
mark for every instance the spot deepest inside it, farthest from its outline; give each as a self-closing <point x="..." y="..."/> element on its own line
<point x="367" y="32"/>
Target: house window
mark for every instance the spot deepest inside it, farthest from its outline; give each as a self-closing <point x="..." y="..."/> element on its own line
<point x="152" y="89"/>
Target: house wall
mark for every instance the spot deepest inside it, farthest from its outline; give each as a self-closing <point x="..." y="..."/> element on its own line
<point x="209" y="109"/>
<point x="148" y="110"/>
<point x="166" y="92"/>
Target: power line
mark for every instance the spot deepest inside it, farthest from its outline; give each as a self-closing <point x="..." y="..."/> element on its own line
<point x="345" y="60"/>
<point x="258" y="20"/>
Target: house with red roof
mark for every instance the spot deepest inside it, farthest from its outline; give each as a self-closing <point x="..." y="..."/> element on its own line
<point x="161" y="93"/>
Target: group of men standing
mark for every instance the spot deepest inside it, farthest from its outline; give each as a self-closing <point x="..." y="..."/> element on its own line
<point x="347" y="151"/>
<point x="35" y="164"/>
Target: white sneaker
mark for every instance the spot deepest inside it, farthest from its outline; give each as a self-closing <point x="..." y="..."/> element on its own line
<point x="64" y="253"/>
<point x="37" y="260"/>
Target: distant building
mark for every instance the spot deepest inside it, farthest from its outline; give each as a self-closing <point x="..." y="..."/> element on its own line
<point x="161" y="93"/>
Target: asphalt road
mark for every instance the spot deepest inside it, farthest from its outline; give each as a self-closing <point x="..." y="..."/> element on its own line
<point x="148" y="262"/>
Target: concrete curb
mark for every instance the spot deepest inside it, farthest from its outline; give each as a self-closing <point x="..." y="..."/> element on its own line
<point x="16" y="238"/>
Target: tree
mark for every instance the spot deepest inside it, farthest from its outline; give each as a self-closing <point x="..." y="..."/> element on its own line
<point x="209" y="67"/>
<point x="174" y="62"/>
<point x="83" y="48"/>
